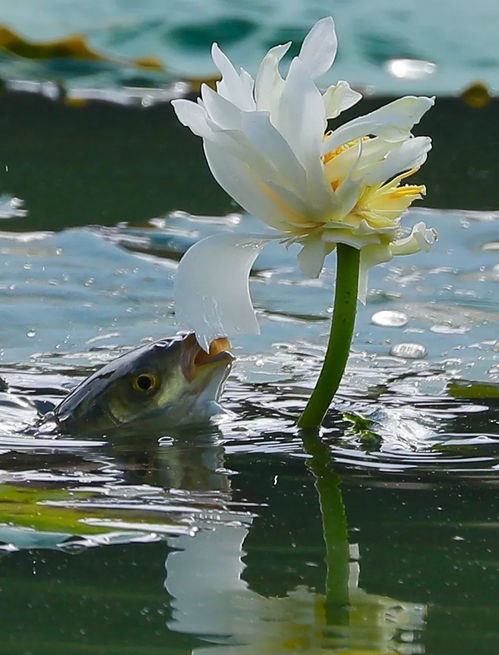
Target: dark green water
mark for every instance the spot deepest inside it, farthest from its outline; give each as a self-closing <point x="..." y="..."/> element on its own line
<point x="212" y="541"/>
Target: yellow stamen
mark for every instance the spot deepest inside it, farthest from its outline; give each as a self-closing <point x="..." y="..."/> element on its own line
<point x="408" y="190"/>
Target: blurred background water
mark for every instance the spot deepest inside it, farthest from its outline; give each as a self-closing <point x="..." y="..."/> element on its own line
<point x="211" y="540"/>
<point x="387" y="46"/>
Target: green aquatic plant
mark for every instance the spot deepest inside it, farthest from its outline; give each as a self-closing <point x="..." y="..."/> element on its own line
<point x="364" y="428"/>
<point x="64" y="513"/>
<point x="30" y="507"/>
<point x="267" y="144"/>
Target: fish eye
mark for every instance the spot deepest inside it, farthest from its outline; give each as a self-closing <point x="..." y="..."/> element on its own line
<point x="145" y="382"/>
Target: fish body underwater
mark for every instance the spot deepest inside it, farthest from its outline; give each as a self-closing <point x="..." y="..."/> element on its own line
<point x="168" y="383"/>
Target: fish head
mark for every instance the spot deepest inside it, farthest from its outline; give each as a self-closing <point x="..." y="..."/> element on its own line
<point x="167" y="383"/>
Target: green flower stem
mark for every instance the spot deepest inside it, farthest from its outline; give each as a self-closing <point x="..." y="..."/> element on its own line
<point x="340" y="337"/>
<point x="334" y="527"/>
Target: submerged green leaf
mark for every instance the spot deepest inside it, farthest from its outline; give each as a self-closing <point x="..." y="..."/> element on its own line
<point x="471" y="389"/>
<point x="24" y="506"/>
<point x="45" y="510"/>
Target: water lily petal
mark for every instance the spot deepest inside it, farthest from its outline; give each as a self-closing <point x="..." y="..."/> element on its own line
<point x="192" y="115"/>
<point x="373" y="152"/>
<point x="244" y="183"/>
<point x="410" y="154"/>
<point x="339" y="97"/>
<point x="220" y="110"/>
<point x="319" y="47"/>
<point x="421" y="238"/>
<point x="269" y="83"/>
<point x="248" y="87"/>
<point x="349" y="190"/>
<point x="293" y="206"/>
<point x="211" y="289"/>
<point x="311" y="256"/>
<point x="237" y="89"/>
<point x="266" y="140"/>
<point x="301" y="121"/>
<point x="370" y="256"/>
<point x="349" y="238"/>
<point x="393" y="122"/>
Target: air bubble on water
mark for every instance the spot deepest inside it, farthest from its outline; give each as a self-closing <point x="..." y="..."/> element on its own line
<point x="408" y="350"/>
<point x="389" y="318"/>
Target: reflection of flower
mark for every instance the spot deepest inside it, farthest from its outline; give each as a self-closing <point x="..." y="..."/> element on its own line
<point x="266" y="145"/>
<point x="211" y="600"/>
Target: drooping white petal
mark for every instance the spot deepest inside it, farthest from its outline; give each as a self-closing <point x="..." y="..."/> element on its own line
<point x="421" y="238"/>
<point x="339" y="97"/>
<point x="269" y="83"/>
<point x="211" y="288"/>
<point x="319" y="47"/>
<point x="233" y="87"/>
<point x="311" y="256"/>
<point x="393" y="122"/>
<point x="244" y="183"/>
<point x="405" y="156"/>
<point x="370" y="256"/>
<point x="192" y="115"/>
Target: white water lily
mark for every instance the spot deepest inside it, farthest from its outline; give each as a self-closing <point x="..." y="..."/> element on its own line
<point x="266" y="144"/>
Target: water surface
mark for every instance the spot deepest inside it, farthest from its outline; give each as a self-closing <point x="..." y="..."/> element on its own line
<point x="213" y="536"/>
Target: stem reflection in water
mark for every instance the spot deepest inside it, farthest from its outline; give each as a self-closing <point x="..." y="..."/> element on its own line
<point x="210" y="598"/>
<point x="334" y="523"/>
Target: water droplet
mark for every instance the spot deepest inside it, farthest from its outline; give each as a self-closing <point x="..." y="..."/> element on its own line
<point x="387" y="318"/>
<point x="31" y="333"/>
<point x="408" y="350"/>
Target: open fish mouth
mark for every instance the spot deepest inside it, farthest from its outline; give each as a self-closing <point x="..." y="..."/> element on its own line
<point x="198" y="360"/>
